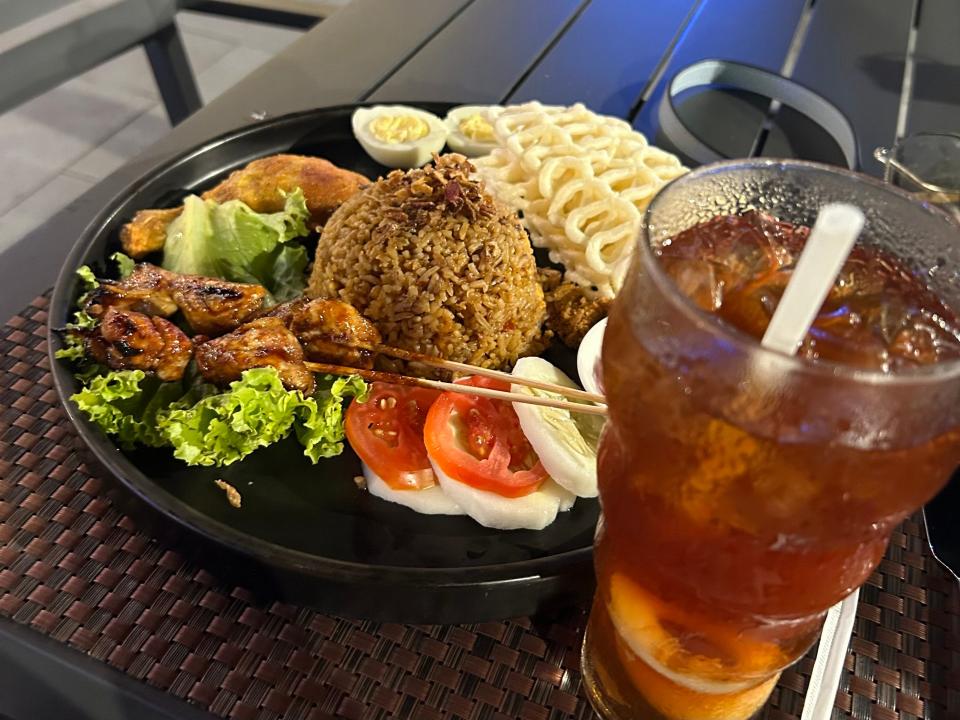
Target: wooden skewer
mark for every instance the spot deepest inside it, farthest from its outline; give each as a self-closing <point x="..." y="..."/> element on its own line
<point x="453" y="366"/>
<point x="380" y="376"/>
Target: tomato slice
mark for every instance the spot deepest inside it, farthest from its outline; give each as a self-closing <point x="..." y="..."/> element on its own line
<point x="386" y="432"/>
<point x="479" y="442"/>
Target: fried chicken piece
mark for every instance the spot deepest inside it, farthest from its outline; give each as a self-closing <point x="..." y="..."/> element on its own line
<point x="571" y="312"/>
<point x="146" y="290"/>
<point x="264" y="342"/>
<point x="325" y="326"/>
<point x="212" y="306"/>
<point x="260" y="185"/>
<point x="129" y="340"/>
<point x="147" y="231"/>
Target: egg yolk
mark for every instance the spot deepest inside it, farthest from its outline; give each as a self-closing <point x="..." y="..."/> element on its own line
<point x="398" y="128"/>
<point x="476" y="127"/>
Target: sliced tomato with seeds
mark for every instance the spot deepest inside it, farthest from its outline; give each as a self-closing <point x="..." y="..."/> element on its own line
<point x="386" y="432"/>
<point x="479" y="442"/>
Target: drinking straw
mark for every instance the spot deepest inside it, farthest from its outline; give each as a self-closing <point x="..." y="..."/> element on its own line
<point x="836" y="230"/>
<point x="834" y="233"/>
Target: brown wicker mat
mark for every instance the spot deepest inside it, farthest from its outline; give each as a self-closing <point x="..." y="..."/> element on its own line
<point x="75" y="569"/>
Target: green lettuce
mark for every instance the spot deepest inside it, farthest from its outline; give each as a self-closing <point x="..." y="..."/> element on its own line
<point x="256" y="411"/>
<point x="231" y="241"/>
<point x="205" y="426"/>
<point x="125" y="264"/>
<point x="319" y="425"/>
<point x="126" y="404"/>
<point x="73" y="350"/>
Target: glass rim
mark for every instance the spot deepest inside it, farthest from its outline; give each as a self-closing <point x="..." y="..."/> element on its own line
<point x="925" y="374"/>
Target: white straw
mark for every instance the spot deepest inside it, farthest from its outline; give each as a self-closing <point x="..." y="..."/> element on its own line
<point x="834" y="233"/>
<point x="831" y="652"/>
<point x="830" y="241"/>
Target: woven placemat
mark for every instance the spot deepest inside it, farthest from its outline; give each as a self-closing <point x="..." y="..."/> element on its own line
<point x="77" y="570"/>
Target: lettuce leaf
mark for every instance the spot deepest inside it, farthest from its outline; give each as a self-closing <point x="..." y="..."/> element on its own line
<point x="219" y="429"/>
<point x="126" y="403"/>
<point x="319" y="425"/>
<point x="73" y="350"/>
<point x="125" y="264"/>
<point x="231" y="241"/>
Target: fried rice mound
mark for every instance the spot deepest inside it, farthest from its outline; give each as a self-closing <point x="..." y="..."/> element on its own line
<point x="437" y="264"/>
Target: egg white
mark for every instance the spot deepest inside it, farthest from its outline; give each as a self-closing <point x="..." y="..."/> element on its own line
<point x="459" y="142"/>
<point x="405" y="155"/>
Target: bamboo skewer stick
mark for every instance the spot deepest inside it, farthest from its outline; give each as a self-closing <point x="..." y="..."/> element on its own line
<point x="454" y="366"/>
<point x="380" y="376"/>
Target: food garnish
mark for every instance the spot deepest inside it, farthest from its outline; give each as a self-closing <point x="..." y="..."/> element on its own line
<point x="231" y="241"/>
<point x="386" y="431"/>
<point x="399" y="136"/>
<point x="262" y="185"/>
<point x="565" y="442"/>
<point x="582" y="182"/>
<point x="470" y="129"/>
<point x="484" y="463"/>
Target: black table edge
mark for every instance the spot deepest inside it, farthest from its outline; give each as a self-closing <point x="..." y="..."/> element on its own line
<point x="43" y="678"/>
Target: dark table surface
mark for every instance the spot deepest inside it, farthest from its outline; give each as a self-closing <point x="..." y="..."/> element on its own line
<point x="613" y="55"/>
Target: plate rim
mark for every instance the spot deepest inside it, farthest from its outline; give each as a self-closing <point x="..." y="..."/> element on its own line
<point x="153" y="494"/>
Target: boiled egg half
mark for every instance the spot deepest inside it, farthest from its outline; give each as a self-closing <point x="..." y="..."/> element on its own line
<point x="399" y="136"/>
<point x="471" y="129"/>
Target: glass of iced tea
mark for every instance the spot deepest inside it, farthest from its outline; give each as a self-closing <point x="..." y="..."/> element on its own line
<point x="744" y="491"/>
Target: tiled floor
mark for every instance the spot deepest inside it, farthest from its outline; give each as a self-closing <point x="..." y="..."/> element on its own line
<point x="58" y="145"/>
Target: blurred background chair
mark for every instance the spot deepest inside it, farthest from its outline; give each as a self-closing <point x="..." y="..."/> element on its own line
<point x="43" y="43"/>
<point x="46" y="42"/>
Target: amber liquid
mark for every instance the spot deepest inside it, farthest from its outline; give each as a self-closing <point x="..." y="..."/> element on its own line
<point x="727" y="533"/>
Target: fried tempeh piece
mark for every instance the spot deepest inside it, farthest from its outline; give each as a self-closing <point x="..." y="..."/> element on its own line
<point x="264" y="342"/>
<point x="260" y="185"/>
<point x="129" y="340"/>
<point x="323" y="327"/>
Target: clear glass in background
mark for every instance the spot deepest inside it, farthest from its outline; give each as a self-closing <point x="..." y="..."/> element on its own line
<point x="927" y="164"/>
<point x="745" y="492"/>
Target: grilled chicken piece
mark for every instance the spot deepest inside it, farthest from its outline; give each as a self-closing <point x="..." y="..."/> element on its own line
<point x="325" y="326"/>
<point x="285" y="311"/>
<point x="261" y="185"/>
<point x="129" y="340"/>
<point x="264" y="342"/>
<point x="213" y="307"/>
<point x="146" y="290"/>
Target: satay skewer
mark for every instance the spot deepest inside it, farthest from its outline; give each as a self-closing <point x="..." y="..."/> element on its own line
<point x="460" y="367"/>
<point x="381" y="376"/>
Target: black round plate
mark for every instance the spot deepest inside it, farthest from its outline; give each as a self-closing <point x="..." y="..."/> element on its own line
<point x="305" y="532"/>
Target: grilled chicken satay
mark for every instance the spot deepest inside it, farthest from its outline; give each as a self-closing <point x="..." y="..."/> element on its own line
<point x="146" y="290"/>
<point x="129" y="340"/>
<point x="264" y="342"/>
<point x="261" y="185"/>
<point x="211" y="306"/>
<point x="326" y="329"/>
